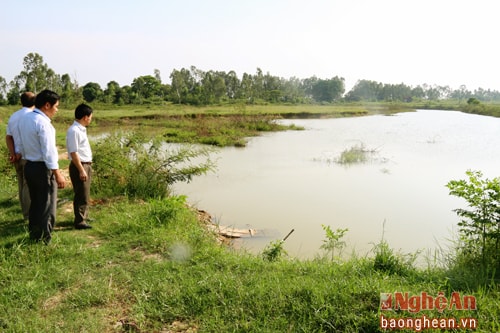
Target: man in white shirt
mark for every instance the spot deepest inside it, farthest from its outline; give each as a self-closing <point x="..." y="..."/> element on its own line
<point x="12" y="139"/>
<point x="38" y="146"/>
<point x="80" y="168"/>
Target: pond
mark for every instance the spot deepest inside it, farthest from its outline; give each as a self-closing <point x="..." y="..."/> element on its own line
<point x="291" y="180"/>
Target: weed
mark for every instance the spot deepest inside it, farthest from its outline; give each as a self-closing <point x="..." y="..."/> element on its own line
<point x="333" y="240"/>
<point x="355" y="154"/>
<point x="388" y="262"/>
<point x="274" y="251"/>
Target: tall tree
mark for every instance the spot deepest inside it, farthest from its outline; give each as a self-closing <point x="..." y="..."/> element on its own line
<point x="112" y="94"/>
<point x="182" y="85"/>
<point x="37" y="75"/>
<point x="213" y="87"/>
<point x="69" y="89"/>
<point x="258" y="84"/>
<point x="271" y="88"/>
<point x="232" y="84"/>
<point x="292" y="91"/>
<point x="157" y="75"/>
<point x="15" y="90"/>
<point x="246" y="91"/>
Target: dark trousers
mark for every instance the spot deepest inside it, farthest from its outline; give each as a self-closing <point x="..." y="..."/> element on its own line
<point x="43" y="194"/>
<point x="81" y="189"/>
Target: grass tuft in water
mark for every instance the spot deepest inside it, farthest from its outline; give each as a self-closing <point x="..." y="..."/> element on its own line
<point x="355" y="155"/>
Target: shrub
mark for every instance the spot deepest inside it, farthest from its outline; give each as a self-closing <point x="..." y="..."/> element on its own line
<point x="479" y="243"/>
<point x="133" y="165"/>
<point x="274" y="251"/>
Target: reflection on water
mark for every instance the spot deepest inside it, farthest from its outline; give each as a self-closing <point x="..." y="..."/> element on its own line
<point x="286" y="180"/>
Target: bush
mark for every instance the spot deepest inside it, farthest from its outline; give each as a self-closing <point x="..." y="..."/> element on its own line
<point x="136" y="166"/>
<point x="274" y="251"/>
<point x="479" y="244"/>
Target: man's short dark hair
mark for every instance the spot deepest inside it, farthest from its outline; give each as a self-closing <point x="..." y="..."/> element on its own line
<point x="27" y="99"/>
<point x="83" y="110"/>
<point x="46" y="96"/>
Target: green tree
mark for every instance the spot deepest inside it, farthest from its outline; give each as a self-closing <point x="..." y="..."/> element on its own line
<point x="146" y="87"/>
<point x="258" y="84"/>
<point x="37" y="75"/>
<point x="91" y="91"/>
<point x="157" y="75"/>
<point x="232" y="84"/>
<point x="246" y="88"/>
<point x="271" y="88"/>
<point x="14" y="91"/>
<point x="125" y="94"/>
<point x="185" y="86"/>
<point x="395" y="92"/>
<point x="112" y="93"/>
<point x="480" y="223"/>
<point x="365" y="90"/>
<point x="69" y="89"/>
<point x="213" y="87"/>
<point x="328" y="90"/>
<point x="292" y="91"/>
<point x="181" y="80"/>
<point x="418" y="92"/>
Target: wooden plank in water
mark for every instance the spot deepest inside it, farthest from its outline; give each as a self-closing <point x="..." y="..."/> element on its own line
<point x="231" y="232"/>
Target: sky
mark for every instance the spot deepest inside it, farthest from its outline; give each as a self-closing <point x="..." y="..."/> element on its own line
<point x="415" y="42"/>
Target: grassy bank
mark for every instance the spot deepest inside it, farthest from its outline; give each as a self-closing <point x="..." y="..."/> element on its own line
<point x="226" y="125"/>
<point x="150" y="265"/>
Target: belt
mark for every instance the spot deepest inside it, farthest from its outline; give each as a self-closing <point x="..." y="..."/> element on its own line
<point x="83" y="163"/>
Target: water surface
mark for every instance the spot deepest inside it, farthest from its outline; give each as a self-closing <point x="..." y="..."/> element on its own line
<point x="289" y="180"/>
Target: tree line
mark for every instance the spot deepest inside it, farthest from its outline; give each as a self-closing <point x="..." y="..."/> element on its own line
<point x="194" y="86"/>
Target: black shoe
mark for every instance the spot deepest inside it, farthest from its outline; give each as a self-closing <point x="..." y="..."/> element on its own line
<point x="82" y="226"/>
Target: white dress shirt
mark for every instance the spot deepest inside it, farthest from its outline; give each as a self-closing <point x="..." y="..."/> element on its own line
<point x="77" y="142"/>
<point x="38" y="139"/>
<point x="13" y="126"/>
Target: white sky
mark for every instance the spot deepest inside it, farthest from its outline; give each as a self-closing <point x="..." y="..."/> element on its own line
<point x="435" y="42"/>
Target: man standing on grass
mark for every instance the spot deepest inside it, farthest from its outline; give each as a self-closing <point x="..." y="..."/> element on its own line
<point x="38" y="146"/>
<point x="12" y="139"/>
<point x="80" y="168"/>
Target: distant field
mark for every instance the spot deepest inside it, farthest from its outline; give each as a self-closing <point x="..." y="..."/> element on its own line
<point x="146" y="111"/>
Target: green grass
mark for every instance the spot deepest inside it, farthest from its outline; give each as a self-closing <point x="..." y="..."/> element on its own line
<point x="354" y="155"/>
<point x="151" y="266"/>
